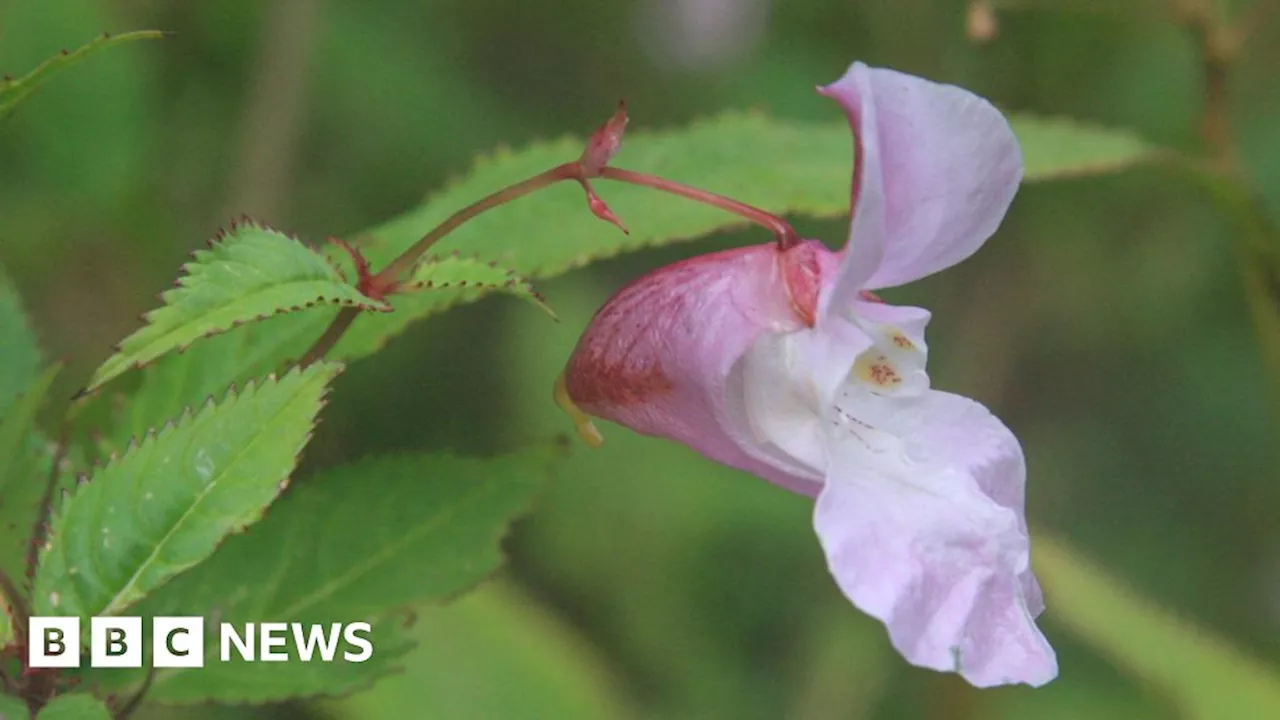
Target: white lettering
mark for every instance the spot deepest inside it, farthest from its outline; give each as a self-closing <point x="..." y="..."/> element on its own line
<point x="243" y="645"/>
<point x="315" y="637"/>
<point x="272" y="635"/>
<point x="351" y="635"/>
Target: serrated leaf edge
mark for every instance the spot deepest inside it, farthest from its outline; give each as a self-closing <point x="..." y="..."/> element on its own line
<point x="36" y="76"/>
<point x="185" y="274"/>
<point x="515" y="281"/>
<point x="251" y="387"/>
<point x="555" y="453"/>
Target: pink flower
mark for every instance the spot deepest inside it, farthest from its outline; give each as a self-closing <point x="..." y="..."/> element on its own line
<point x="779" y="361"/>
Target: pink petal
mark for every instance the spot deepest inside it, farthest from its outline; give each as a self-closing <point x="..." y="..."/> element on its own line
<point x="662" y="356"/>
<point x="958" y="425"/>
<point x="928" y="536"/>
<point x="936" y="168"/>
<point x="865" y="250"/>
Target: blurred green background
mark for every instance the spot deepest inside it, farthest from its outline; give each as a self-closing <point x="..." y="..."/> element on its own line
<point x="1104" y="322"/>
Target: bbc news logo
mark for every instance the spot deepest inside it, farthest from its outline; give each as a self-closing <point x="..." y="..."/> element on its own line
<point x="179" y="642"/>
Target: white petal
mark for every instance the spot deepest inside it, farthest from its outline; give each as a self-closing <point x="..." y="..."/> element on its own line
<point x="897" y="332"/>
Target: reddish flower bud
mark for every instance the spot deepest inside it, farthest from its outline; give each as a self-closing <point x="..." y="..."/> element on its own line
<point x="604" y="142"/>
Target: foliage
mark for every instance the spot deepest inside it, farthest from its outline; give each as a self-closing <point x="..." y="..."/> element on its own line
<point x="249" y="273"/>
<point x="1059" y="148"/>
<point x="1205" y="677"/>
<point x="14" y="90"/>
<point x="25" y="466"/>
<point x="13" y="708"/>
<point x="427" y="532"/>
<point x="455" y="272"/>
<point x="74" y="707"/>
<point x="494" y="653"/>
<point x="20" y="361"/>
<point x="171" y="499"/>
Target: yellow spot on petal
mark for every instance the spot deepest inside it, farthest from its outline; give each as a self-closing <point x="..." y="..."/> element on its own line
<point x="901" y="340"/>
<point x="877" y="370"/>
<point x="581" y="421"/>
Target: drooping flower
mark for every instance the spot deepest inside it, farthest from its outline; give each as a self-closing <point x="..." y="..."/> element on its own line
<point x="778" y="360"/>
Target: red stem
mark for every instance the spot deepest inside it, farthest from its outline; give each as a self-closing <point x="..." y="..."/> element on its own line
<point x="782" y="231"/>
<point x="388" y="278"/>
<point x="390" y="273"/>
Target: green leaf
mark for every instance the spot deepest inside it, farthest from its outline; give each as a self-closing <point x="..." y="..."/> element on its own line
<point x="170" y="500"/>
<point x="430" y="529"/>
<point x="6" y="623"/>
<point x="13" y="709"/>
<point x="180" y="381"/>
<point x="13" y="91"/>
<point x="24" y="476"/>
<point x="473" y="275"/>
<point x="1058" y="148"/>
<point x="1201" y="673"/>
<point x="75" y="707"/>
<point x="356" y="542"/>
<point x="20" y="360"/>
<point x="493" y="654"/>
<point x="249" y="273"/>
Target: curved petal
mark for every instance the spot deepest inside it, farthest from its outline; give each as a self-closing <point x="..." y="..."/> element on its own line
<point x="787" y="379"/>
<point x="865" y="249"/>
<point x="958" y="425"/>
<point x="921" y="523"/>
<point x="936" y="170"/>
<point x="662" y="356"/>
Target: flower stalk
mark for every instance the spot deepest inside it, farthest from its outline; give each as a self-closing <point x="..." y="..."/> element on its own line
<point x="600" y="149"/>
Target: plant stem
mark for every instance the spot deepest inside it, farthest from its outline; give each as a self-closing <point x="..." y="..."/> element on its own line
<point x="386" y="280"/>
<point x="132" y="705"/>
<point x="782" y="231"/>
<point x="331" y="336"/>
<point x="390" y="274"/>
<point x="1257" y="241"/>
<point x="1216" y="42"/>
<point x="405" y="261"/>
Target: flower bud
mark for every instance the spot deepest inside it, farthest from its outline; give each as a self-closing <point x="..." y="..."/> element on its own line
<point x="604" y="142"/>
